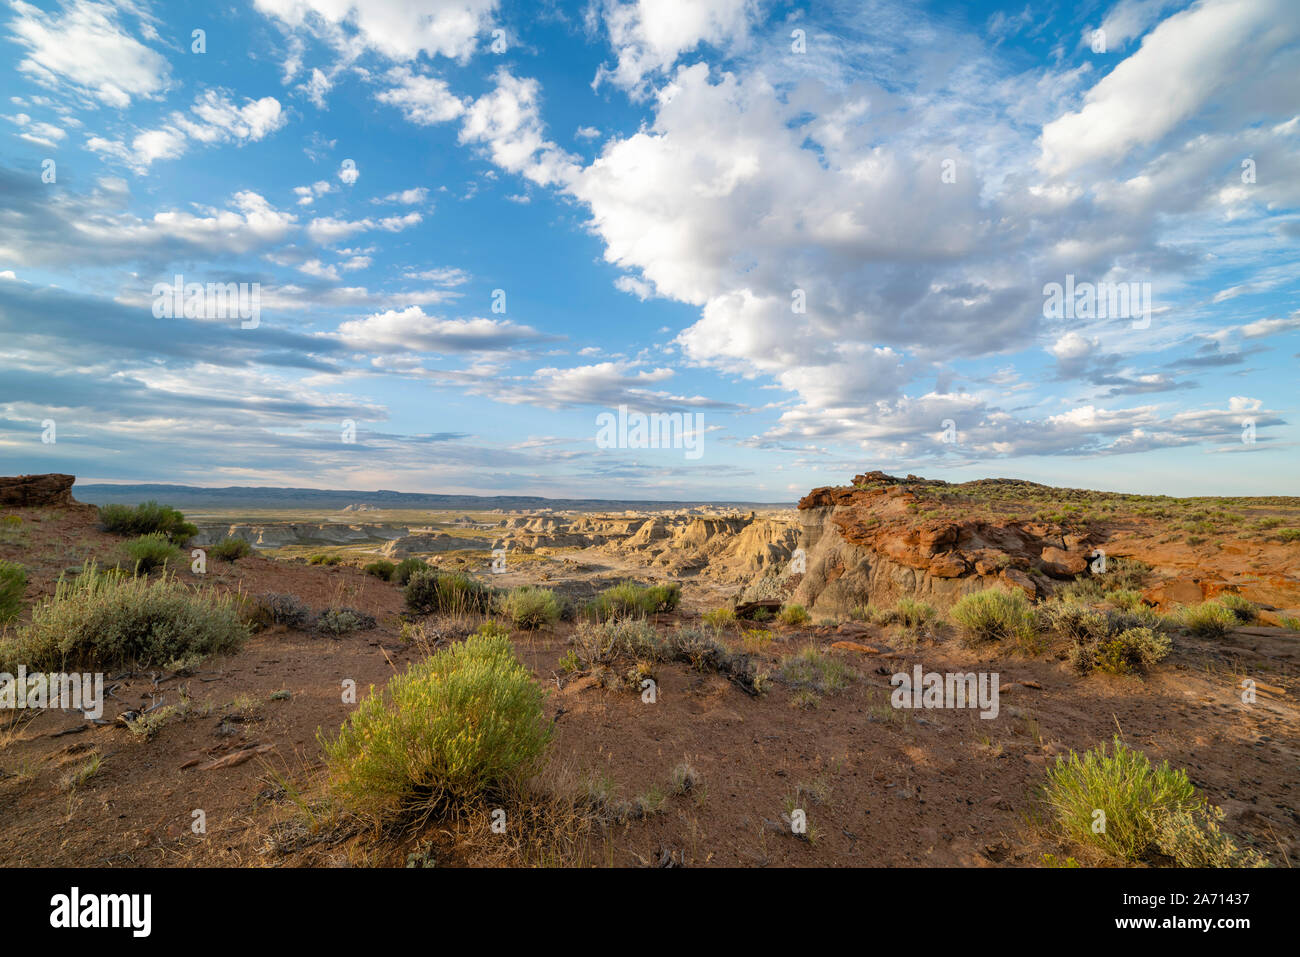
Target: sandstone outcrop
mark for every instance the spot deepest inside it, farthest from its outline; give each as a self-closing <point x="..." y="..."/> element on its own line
<point x="871" y="543"/>
<point x="33" y="491"/>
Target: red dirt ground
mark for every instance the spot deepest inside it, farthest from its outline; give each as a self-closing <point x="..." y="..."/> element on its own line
<point x="879" y="786"/>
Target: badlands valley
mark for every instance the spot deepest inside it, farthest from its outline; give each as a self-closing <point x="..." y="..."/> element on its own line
<point x="895" y="671"/>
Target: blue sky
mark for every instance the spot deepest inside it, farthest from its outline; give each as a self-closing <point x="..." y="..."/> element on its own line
<point x="820" y="232"/>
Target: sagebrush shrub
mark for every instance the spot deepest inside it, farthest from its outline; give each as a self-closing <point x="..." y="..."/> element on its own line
<point x="914" y="614"/>
<point x="381" y="569"/>
<point x="231" y="550"/>
<point x="1148" y="810"/>
<point x="530" y="607"/>
<point x="430" y="590"/>
<point x="340" y="621"/>
<point x="277" y="609"/>
<point x="151" y="551"/>
<point x="101" y="619"/>
<point x="147" y="518"/>
<point x="795" y="615"/>
<point x="1193" y="838"/>
<point x="1245" y="610"/>
<point x="997" y="615"/>
<point x="1132" y="650"/>
<point x="466" y="721"/>
<point x="719" y="617"/>
<point x="406" y="568"/>
<point x="628" y="599"/>
<point x="1209" y="619"/>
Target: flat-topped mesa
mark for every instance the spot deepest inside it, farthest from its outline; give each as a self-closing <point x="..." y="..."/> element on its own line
<point x="33" y="491"/>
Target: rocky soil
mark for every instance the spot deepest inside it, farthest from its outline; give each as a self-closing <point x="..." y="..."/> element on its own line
<point x="879" y="786"/>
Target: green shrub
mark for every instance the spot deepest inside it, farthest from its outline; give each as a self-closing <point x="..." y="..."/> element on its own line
<point x="720" y="617"/>
<point x="406" y="568"/>
<point x="1290" y="622"/>
<point x="382" y="569"/>
<point x="1288" y="535"/>
<point x="1207" y="620"/>
<point x="1075" y="621"/>
<point x="1132" y="650"/>
<point x="231" y="550"/>
<point x="1126" y="598"/>
<point x="431" y="591"/>
<point x="13" y="581"/>
<point x="276" y="609"/>
<point x="325" y="558"/>
<point x="795" y="615"/>
<point x="101" y="619"/>
<point x="530" y="607"/>
<point x="997" y="615"/>
<point x="914" y="614"/>
<point x="1149" y="810"/>
<point x="464" y="722"/>
<point x="665" y="598"/>
<point x="151" y="551"/>
<point x="626" y="599"/>
<point x="1245" y="611"/>
<point x="340" y="621"/>
<point x="147" y="518"/>
<point x="1192" y="838"/>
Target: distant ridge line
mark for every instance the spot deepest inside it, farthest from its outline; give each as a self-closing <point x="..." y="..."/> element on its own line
<point x="249" y="496"/>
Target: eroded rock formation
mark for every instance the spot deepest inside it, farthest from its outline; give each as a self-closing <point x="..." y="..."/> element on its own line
<point x="32" y="491"/>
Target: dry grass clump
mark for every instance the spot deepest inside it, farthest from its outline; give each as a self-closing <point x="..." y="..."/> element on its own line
<point x="104" y="619"/>
<point x="605" y="649"/>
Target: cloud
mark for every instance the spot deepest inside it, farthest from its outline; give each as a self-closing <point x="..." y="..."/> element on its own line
<point x="213" y="119"/>
<point x="605" y="384"/>
<point x="86" y="47"/>
<point x="424" y="100"/>
<point x="648" y="36"/>
<point x="412" y="329"/>
<point x="317" y="87"/>
<point x="407" y="197"/>
<point x="397" y="29"/>
<point x="508" y="123"/>
<point x="308" y="194"/>
<point x="1188" y="62"/>
<point x="348" y="173"/>
<point x="96" y="229"/>
<point x="327" y="229"/>
<point x="42" y="134"/>
<point x="445" y="276"/>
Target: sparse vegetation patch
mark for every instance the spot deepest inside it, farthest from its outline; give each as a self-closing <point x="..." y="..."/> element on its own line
<point x="100" y="619"/>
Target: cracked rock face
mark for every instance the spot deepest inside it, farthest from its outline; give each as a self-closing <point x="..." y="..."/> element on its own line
<point x="870" y="543"/>
<point x="29" y="491"/>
